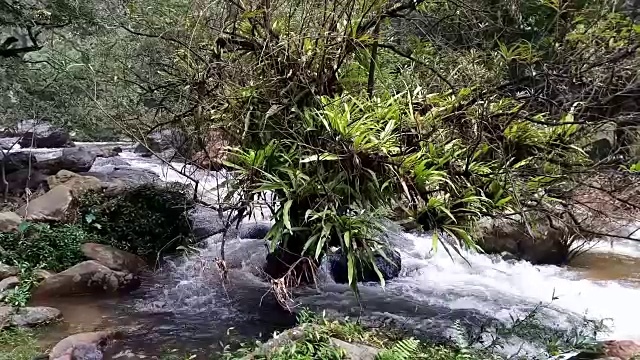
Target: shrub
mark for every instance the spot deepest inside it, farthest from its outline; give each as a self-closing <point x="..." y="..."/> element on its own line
<point x="145" y="220"/>
<point x="51" y="247"/>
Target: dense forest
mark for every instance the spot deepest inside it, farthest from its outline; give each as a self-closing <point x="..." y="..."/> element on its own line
<point x="477" y="122"/>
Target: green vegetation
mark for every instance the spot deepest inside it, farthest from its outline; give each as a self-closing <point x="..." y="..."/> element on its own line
<point x="18" y="344"/>
<point x="148" y="220"/>
<point x="316" y="332"/>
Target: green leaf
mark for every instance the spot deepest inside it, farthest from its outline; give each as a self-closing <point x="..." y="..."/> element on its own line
<point x="321" y="157"/>
<point x="24" y="226"/>
<point x="285" y="215"/>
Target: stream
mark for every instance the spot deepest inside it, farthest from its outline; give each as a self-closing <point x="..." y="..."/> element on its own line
<point x="184" y="305"/>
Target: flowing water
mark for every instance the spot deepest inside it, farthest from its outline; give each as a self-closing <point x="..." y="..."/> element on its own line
<point x="185" y="305"/>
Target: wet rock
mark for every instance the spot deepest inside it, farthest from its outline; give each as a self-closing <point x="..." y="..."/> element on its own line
<point x="54" y="205"/>
<point x="113" y="258"/>
<point x="9" y="283"/>
<point x="9" y="221"/>
<point x="545" y="244"/>
<point x="254" y="230"/>
<point x="611" y="349"/>
<point x="83" y="344"/>
<point x="34" y="316"/>
<point x="77" y="183"/>
<point x="75" y="160"/>
<point x="7" y="271"/>
<point x="112" y="161"/>
<point x="356" y="351"/>
<point x="19" y="181"/>
<point x="15" y="161"/>
<point x="121" y="178"/>
<point x="109" y="153"/>
<point x="204" y="222"/>
<point x="9" y="143"/>
<point x="88" y="277"/>
<point x="389" y="269"/>
<point x="55" y="139"/>
<point x="148" y="148"/>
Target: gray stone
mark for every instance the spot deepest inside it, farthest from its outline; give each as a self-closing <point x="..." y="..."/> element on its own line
<point x="9" y="283"/>
<point x="148" y="148"/>
<point x="55" y="139"/>
<point x="111" y="161"/>
<point x="86" y="344"/>
<point x="356" y="351"/>
<point x="87" y="277"/>
<point x="54" y="205"/>
<point x="15" y="161"/>
<point x="205" y="222"/>
<point x="19" y="181"/>
<point x="9" y="221"/>
<point x="75" y="160"/>
<point x="34" y="316"/>
<point x="5" y="316"/>
<point x="113" y="258"/>
<point x="7" y="271"/>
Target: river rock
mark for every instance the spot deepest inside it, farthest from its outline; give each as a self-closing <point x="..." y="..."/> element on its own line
<point x="254" y="230"/>
<point x="15" y="161"/>
<point x="56" y="139"/>
<point x="148" y="148"/>
<point x="86" y="278"/>
<point x="77" y="183"/>
<point x="8" y="143"/>
<point x="9" y="283"/>
<point x="7" y="271"/>
<point x="9" y="221"/>
<point x="113" y="258"/>
<point x="54" y="205"/>
<point x="5" y="316"/>
<point x="34" y="316"/>
<point x="204" y="222"/>
<point x="112" y="161"/>
<point x="83" y="343"/>
<point x="355" y="351"/>
<point x="75" y="160"/>
<point x="390" y="269"/>
<point x="120" y="178"/>
<point x="19" y="181"/>
<point x="543" y="245"/>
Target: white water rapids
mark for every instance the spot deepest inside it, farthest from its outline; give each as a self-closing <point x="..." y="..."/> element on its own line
<point x="485" y="285"/>
<point x="494" y="286"/>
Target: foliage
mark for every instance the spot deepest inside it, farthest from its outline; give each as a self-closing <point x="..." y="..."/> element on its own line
<point x="19" y="296"/>
<point x="145" y="220"/>
<point x="43" y="246"/>
<point x="18" y="344"/>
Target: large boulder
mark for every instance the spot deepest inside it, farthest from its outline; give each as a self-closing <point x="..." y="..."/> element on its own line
<point x="89" y="343"/>
<point x="54" y="205"/>
<point x="9" y="283"/>
<point x="204" y="222"/>
<point x="537" y="242"/>
<point x="55" y="139"/>
<point x="258" y="230"/>
<point x="77" y="183"/>
<point x="120" y="178"/>
<point x="18" y="182"/>
<point x="87" y="277"/>
<point x="15" y="161"/>
<point x="8" y="271"/>
<point x="28" y="316"/>
<point x="34" y="316"/>
<point x="75" y="160"/>
<point x="148" y="147"/>
<point x="9" y="221"/>
<point x="389" y="268"/>
<point x="113" y="258"/>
